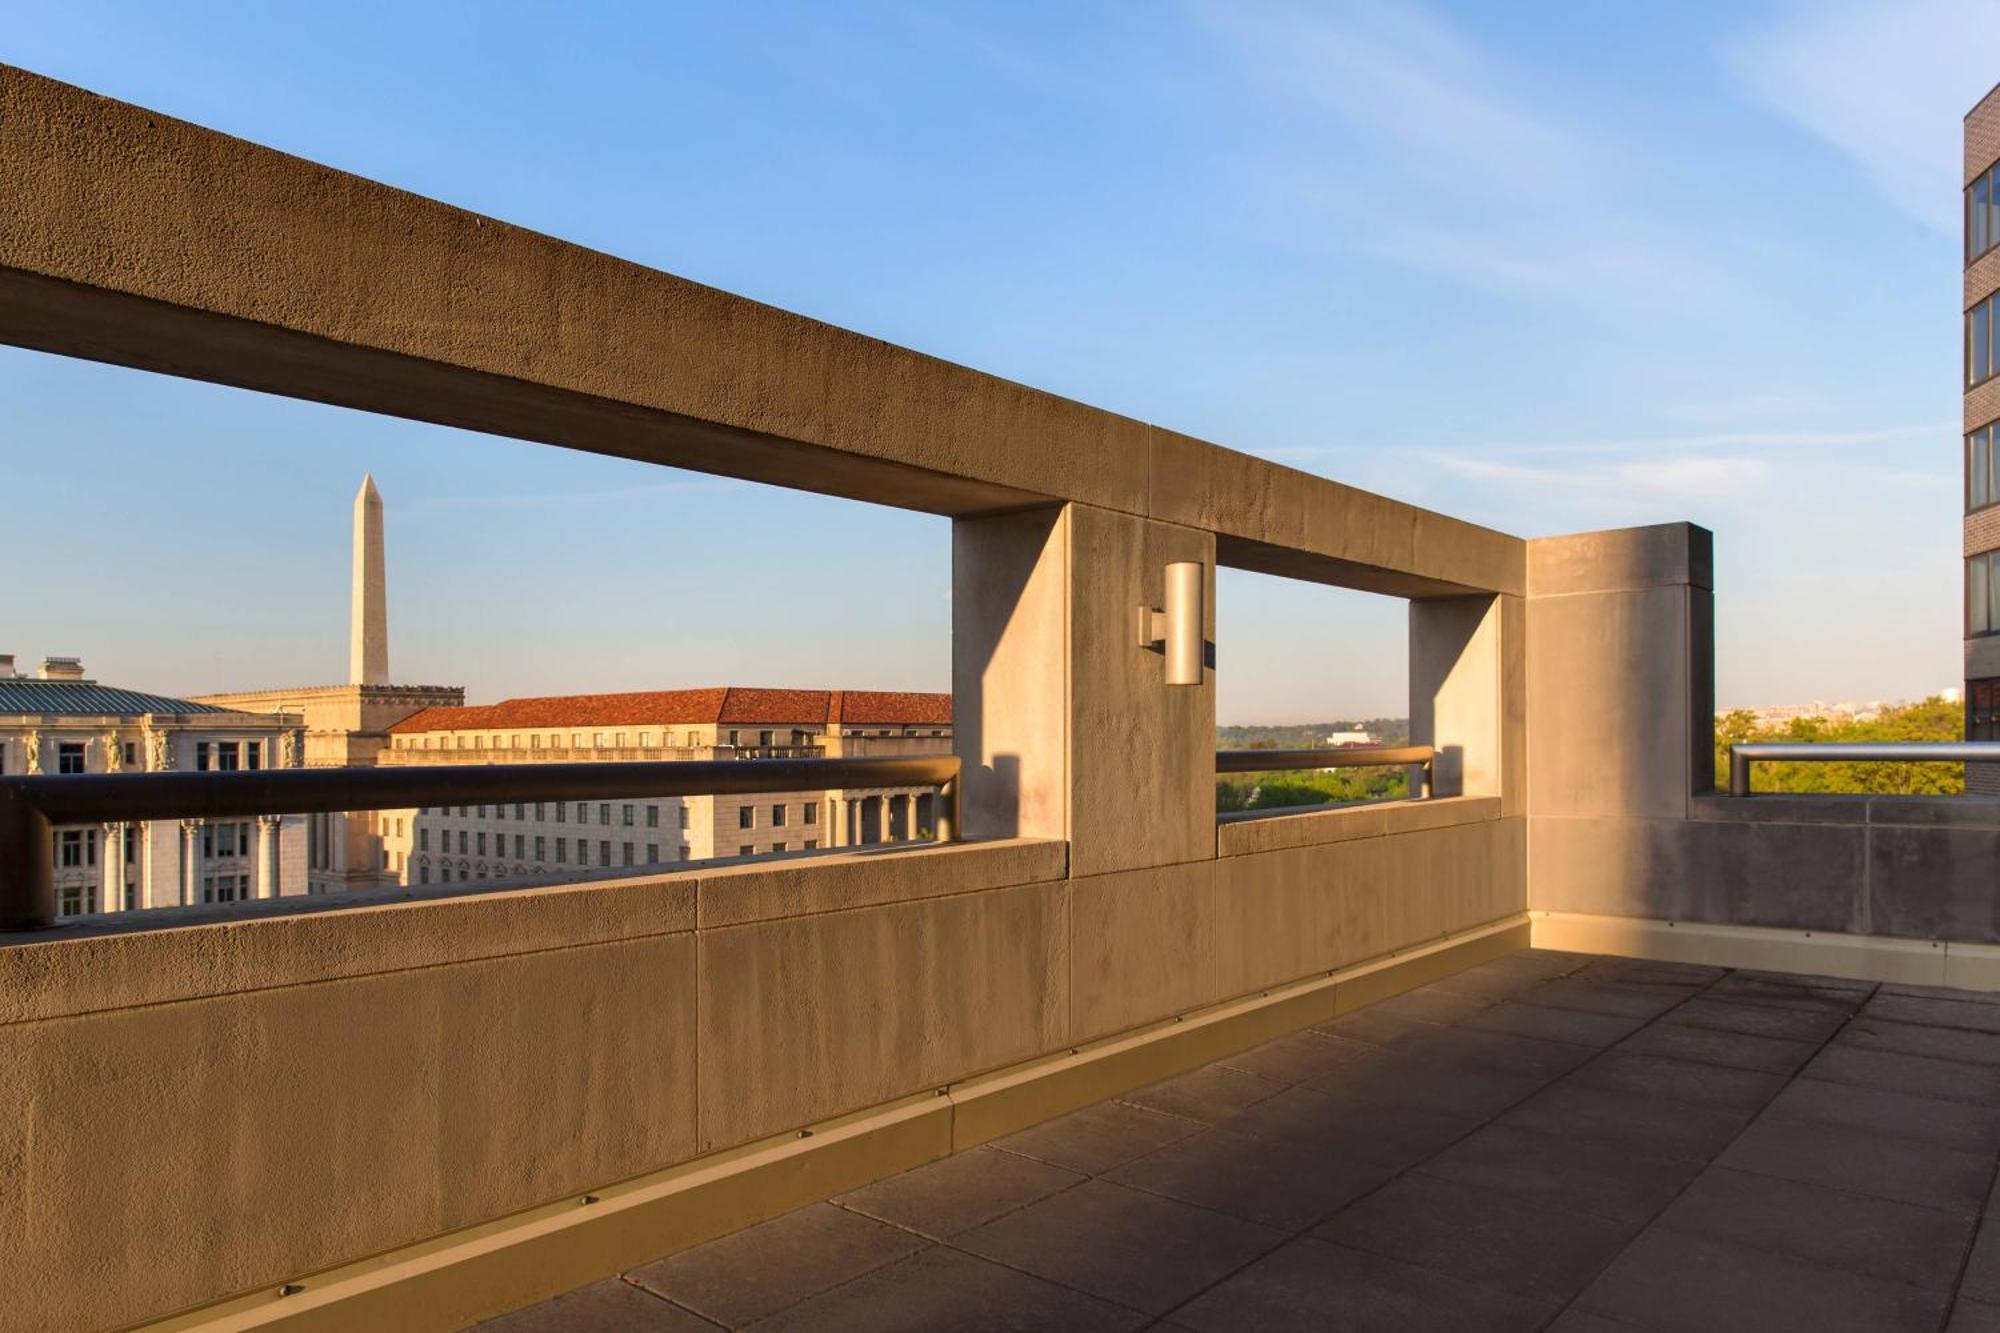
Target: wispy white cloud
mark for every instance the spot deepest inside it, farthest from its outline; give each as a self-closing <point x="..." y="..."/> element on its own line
<point x="1401" y="129"/>
<point x="1885" y="81"/>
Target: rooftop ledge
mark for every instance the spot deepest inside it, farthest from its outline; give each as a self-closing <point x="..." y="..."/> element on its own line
<point x="192" y="953"/>
<point x="1312" y="826"/>
<point x="1822" y="808"/>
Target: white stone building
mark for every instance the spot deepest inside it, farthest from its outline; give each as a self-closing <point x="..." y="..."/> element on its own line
<point x="60" y="722"/>
<point x="456" y="844"/>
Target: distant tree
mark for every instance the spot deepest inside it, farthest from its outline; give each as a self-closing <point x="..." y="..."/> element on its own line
<point x="1935" y="719"/>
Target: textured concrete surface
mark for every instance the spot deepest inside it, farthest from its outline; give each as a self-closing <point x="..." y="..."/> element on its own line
<point x="1547" y="1141"/>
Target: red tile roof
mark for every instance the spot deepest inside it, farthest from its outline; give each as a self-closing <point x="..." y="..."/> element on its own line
<point x="736" y="703"/>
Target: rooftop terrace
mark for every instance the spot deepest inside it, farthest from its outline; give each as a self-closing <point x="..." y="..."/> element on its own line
<point x="424" y="1111"/>
<point x="1549" y="1140"/>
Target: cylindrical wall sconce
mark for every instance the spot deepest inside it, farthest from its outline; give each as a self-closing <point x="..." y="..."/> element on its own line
<point x="1177" y="631"/>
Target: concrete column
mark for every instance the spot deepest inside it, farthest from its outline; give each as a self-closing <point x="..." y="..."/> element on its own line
<point x="268" y="828"/>
<point x="1468" y="694"/>
<point x="1621" y="696"/>
<point x="1065" y="723"/>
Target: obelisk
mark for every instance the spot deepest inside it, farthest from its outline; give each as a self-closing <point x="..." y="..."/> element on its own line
<point x="368" y="634"/>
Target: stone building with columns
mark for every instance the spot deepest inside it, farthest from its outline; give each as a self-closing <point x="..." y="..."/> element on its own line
<point x="536" y="840"/>
<point x="60" y="722"/>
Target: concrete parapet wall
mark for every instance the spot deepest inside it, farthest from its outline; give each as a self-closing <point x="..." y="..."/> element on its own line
<point x="299" y="1092"/>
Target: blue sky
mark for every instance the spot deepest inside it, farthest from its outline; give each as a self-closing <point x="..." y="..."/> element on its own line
<point x="1547" y="266"/>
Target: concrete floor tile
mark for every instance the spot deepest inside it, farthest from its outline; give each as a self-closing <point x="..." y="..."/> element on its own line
<point x="1871" y="1033"/>
<point x="1210" y="1094"/>
<point x="1681" y="1082"/>
<point x="1297" y="1056"/>
<point x="1681" y="1283"/>
<point x="1391" y="1078"/>
<point x="1959" y="1125"/>
<point x="766" y="1268"/>
<point x="956" y="1193"/>
<point x="1650" y="972"/>
<point x="1925" y="1174"/>
<point x="1770" y="988"/>
<point x="1316" y="1119"/>
<point x="1577" y="1026"/>
<point x="1429" y="1004"/>
<point x="1479" y="1235"/>
<point x="1506" y="1051"/>
<point x="1574" y="1320"/>
<point x="1790" y="1023"/>
<point x="1982" y="1270"/>
<point x="1562" y="1173"/>
<point x="610" y="1306"/>
<point x="1855" y="1233"/>
<point x="1311" y="1286"/>
<point x="945" y="1289"/>
<point x="1606" y="997"/>
<point x="1099" y="1137"/>
<point x="1376" y="1028"/>
<point x="1271" y="1181"/>
<point x="1626" y="1120"/>
<point x="1970" y="1316"/>
<point x="1918" y="1075"/>
<point x="1123" y="1245"/>
<point x="1711" y="1046"/>
<point x="1988" y="999"/>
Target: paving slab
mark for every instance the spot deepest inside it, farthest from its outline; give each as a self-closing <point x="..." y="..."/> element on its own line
<point x="765" y="1268"/>
<point x="1310" y="1286"/>
<point x="1579" y="1027"/>
<point x="1923" y="1076"/>
<point x="1561" y="1173"/>
<point x="1868" y="1032"/>
<point x="1099" y="1137"/>
<point x="1812" y="1024"/>
<point x="1982" y="1269"/>
<point x="947" y="1289"/>
<point x="1713" y="1046"/>
<point x="1681" y="1283"/>
<point x="1962" y="1125"/>
<point x="1609" y="997"/>
<point x="611" y="1306"/>
<point x="1481" y="1235"/>
<point x="956" y="1193"/>
<point x="1861" y="1162"/>
<point x="1127" y="1246"/>
<point x="1297" y="1057"/>
<point x="1269" y="1181"/>
<point x="1856" y="1233"/>
<point x="1681" y="1082"/>
<point x="1210" y="1094"/>
<point x="1970" y="1316"/>
<point x="1627" y="1120"/>
<point x="1392" y="1078"/>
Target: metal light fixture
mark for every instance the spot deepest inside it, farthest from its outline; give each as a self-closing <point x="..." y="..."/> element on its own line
<point x="1176" y="632"/>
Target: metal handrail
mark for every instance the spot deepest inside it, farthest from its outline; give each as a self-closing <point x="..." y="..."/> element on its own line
<point x="1826" y="752"/>
<point x="1417" y="758"/>
<point x="32" y="807"/>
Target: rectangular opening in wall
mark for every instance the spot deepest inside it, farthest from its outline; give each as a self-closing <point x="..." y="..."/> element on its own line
<point x="370" y="593"/>
<point x="1306" y="671"/>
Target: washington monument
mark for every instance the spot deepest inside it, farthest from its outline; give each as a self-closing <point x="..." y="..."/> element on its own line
<point x="368" y="635"/>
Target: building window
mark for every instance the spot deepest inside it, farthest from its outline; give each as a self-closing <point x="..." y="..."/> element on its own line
<point x="1982" y="214"/>
<point x="811" y="811"/>
<point x="1982" y="710"/>
<point x="253" y="754"/>
<point x="201" y="756"/>
<point x="461" y="842"/>
<point x="562" y="811"/>
<point x="583" y="813"/>
<point x="652" y="816"/>
<point x="520" y="811"/>
<point x="1982" y="593"/>
<point x="423" y="839"/>
<point x="76" y="848"/>
<point x="541" y="809"/>
<point x="732" y="737"/>
<point x="69" y="757"/>
<point x="131" y="754"/>
<point x="780" y="846"/>
<point x="423" y="874"/>
<point x="541" y="848"/>
<point x="626" y="850"/>
<point x="604" y="853"/>
<point x="684" y="816"/>
<point x="686" y="852"/>
<point x="1982" y="483"/>
<point x="812" y="844"/>
<point x="764" y="739"/>
<point x="778" y="815"/>
<point x="482" y="812"/>
<point x="625" y="816"/>
<point x="1980" y="359"/>
<point x="652" y="853"/>
<point x="562" y="850"/>
<point x="746" y="851"/>
<point x="604" y="814"/>
<point x="746" y="817"/>
<point x="520" y="846"/>
<point x="480" y="842"/>
<point x="227" y="756"/>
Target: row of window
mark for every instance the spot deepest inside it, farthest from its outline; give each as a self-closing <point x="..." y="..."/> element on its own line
<point x="227" y="756"/>
<point x="626" y="851"/>
<point x="1982" y="593"/>
<point x="746" y="815"/>
<point x="475" y="845"/>
<point x="1982" y="214"/>
<point x="627" y="813"/>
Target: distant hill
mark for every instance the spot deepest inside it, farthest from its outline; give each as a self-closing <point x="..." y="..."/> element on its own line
<point x="1306" y="736"/>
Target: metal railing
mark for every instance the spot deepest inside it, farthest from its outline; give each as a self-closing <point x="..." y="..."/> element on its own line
<point x="1864" y="752"/>
<point x="1417" y="758"/>
<point x="32" y="808"/>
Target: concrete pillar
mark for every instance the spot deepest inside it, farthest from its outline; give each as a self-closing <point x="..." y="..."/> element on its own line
<point x="267" y="873"/>
<point x="1621" y="693"/>
<point x="1065" y="723"/>
<point x="1468" y="694"/>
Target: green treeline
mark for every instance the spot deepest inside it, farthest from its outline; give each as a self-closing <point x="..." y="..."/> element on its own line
<point x="1932" y="720"/>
